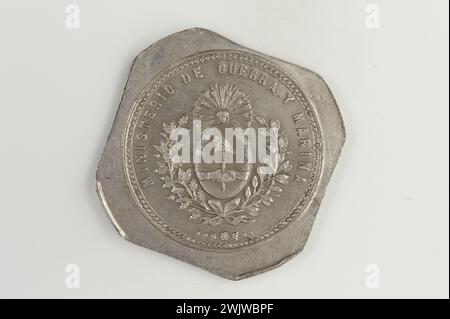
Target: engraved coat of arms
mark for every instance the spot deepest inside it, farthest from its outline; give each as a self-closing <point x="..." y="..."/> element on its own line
<point x="230" y="192"/>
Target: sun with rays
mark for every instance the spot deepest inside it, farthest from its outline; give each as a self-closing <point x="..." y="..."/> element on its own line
<point x="223" y="105"/>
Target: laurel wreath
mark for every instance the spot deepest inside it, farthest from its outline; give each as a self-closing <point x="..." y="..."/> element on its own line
<point x="190" y="196"/>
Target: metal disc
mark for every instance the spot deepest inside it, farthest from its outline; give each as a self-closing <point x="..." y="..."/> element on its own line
<point x="227" y="217"/>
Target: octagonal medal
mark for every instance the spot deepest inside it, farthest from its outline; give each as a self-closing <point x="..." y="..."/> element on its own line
<point x="219" y="155"/>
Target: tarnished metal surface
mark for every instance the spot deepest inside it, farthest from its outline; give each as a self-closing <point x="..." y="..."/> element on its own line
<point x="229" y="219"/>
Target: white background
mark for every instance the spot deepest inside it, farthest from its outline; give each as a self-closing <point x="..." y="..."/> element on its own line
<point x="387" y="203"/>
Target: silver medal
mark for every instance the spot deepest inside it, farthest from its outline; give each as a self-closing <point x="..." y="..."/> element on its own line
<point x="170" y="179"/>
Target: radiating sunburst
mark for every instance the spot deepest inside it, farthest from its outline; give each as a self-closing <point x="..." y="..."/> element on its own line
<point x="223" y="105"/>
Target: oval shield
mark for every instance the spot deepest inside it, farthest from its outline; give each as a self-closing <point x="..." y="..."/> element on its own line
<point x="223" y="106"/>
<point x="225" y="180"/>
